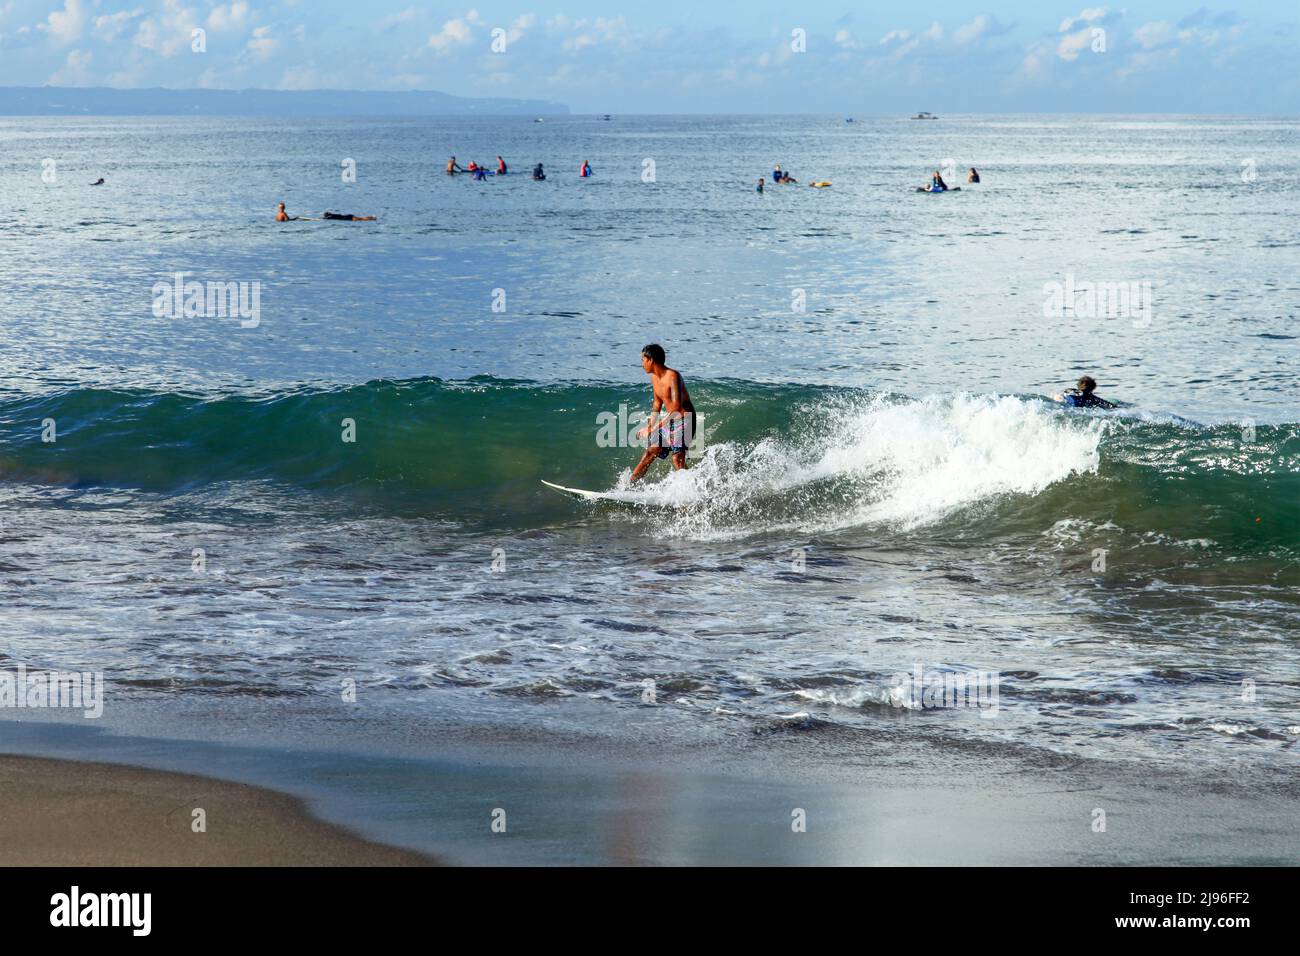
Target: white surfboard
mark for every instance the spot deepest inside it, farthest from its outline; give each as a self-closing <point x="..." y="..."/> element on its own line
<point x="633" y="498"/>
<point x="584" y="493"/>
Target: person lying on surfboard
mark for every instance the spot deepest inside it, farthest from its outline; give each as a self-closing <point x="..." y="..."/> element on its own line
<point x="671" y="434"/>
<point x="1082" y="396"/>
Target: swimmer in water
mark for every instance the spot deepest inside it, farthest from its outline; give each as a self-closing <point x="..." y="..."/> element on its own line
<point x="452" y="167"/>
<point x="1082" y="396"/>
<point x="759" y="187"/>
<point x="282" y="216"/>
<point x="538" y="173"/>
<point x="98" y="182"/>
<point x="973" y="176"/>
<point x="501" y="166"/>
<point x="585" y="169"/>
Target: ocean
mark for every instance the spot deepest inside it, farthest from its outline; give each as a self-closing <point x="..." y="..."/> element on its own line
<point x="322" y="524"/>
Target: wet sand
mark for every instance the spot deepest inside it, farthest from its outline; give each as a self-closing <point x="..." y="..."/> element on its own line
<point x="811" y="794"/>
<point x="70" y="813"/>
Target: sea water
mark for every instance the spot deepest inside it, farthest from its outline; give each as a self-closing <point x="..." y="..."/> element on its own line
<point x="333" y="517"/>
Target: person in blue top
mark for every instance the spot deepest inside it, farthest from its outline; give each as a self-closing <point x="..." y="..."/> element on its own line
<point x="1082" y="396"/>
<point x="777" y="175"/>
<point x="759" y="187"/>
<point x="937" y="185"/>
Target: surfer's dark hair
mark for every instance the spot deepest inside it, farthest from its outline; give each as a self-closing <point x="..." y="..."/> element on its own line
<point x="1087" y="383"/>
<point x="655" y="352"/>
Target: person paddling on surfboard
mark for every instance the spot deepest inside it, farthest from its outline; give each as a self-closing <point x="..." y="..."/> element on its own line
<point x="671" y="434"/>
<point x="1082" y="396"/>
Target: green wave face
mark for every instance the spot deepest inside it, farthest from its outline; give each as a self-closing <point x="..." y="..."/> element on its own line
<point x="771" y="458"/>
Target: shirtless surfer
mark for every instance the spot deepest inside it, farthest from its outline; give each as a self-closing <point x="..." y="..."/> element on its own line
<point x="670" y="434"/>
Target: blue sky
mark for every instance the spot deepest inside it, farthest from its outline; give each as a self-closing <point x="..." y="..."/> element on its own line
<point x="672" y="56"/>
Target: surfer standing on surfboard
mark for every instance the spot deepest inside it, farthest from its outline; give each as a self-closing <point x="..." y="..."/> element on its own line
<point x="671" y="434"/>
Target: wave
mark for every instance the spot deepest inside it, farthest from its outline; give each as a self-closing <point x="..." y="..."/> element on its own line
<point x="771" y="457"/>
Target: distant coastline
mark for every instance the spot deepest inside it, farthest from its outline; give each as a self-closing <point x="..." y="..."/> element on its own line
<point x="157" y="101"/>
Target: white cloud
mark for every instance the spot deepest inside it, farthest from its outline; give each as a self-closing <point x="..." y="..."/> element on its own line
<point x="935" y="32"/>
<point x="973" y="30"/>
<point x="453" y="32"/>
<point x="1154" y="34"/>
<point x="75" y="70"/>
<point x="1075" y="43"/>
<point x="1140" y="62"/>
<point x="1087" y="16"/>
<point x="1032" y="65"/>
<point x="228" y="16"/>
<point x="597" y="31"/>
<point x="1071" y="46"/>
<point x="892" y="35"/>
<point x="65" y="26"/>
<point x="261" y="44"/>
<point x="110" y="26"/>
<point x="173" y="34"/>
<point x="520" y="24"/>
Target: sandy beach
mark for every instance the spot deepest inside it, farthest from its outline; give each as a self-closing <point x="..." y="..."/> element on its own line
<point x="577" y="799"/>
<point x="68" y="813"/>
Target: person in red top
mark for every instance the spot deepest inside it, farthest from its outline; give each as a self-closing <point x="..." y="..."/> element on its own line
<point x="501" y="166"/>
<point x="585" y="170"/>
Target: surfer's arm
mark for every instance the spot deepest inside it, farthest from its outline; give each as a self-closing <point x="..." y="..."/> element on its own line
<point x="650" y="419"/>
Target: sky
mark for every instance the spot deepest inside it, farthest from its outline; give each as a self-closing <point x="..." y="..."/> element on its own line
<point x="685" y="56"/>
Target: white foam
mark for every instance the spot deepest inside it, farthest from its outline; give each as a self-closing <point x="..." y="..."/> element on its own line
<point x="904" y="463"/>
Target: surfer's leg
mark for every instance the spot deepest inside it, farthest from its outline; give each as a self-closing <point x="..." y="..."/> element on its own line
<point x="679" y="460"/>
<point x="644" y="464"/>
